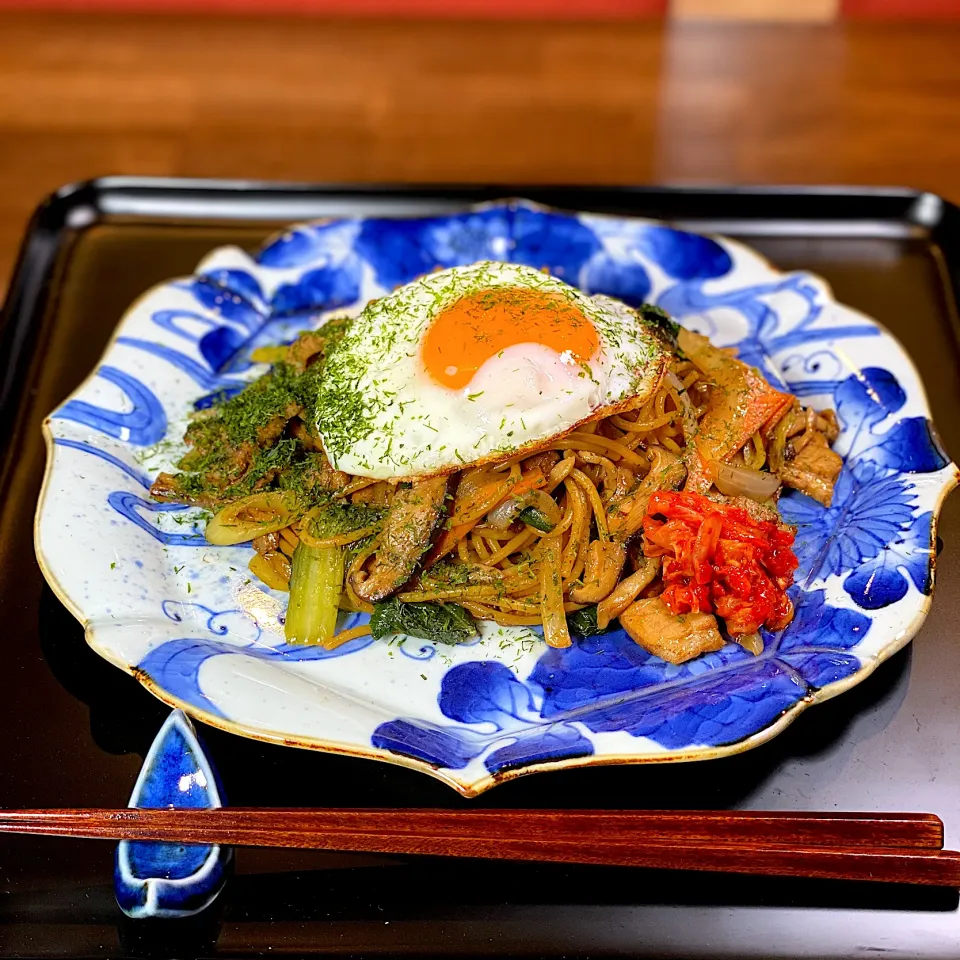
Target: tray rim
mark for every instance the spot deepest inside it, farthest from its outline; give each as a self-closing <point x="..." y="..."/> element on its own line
<point x="55" y="210"/>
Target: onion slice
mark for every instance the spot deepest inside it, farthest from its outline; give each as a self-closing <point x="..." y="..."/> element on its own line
<point x="501" y="517"/>
<point x="744" y="482"/>
<point x="688" y="416"/>
<point x="751" y="642"/>
<point x="552" y="615"/>
<point x="479" y="491"/>
<point x="252" y="517"/>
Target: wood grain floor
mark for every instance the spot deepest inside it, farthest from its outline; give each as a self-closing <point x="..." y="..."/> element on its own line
<point x="301" y="99"/>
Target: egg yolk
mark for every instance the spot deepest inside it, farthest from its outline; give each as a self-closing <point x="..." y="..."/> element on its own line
<point x="476" y="327"/>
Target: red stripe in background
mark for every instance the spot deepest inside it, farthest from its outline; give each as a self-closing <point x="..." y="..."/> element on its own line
<point x="446" y="9"/>
<point x="901" y="9"/>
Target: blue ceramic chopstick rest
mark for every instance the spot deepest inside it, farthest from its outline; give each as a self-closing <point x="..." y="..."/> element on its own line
<point x="169" y="880"/>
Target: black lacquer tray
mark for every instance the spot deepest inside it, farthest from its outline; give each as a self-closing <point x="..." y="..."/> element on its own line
<point x="74" y="729"/>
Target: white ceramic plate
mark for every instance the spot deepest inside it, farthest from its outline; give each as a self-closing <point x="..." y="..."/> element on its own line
<point x="187" y="621"/>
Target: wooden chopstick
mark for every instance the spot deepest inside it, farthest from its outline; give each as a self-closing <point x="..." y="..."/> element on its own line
<point x="760" y="828"/>
<point x="902" y="848"/>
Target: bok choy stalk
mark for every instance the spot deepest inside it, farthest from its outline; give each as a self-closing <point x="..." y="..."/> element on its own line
<point x="315" y="587"/>
<point x="316" y="580"/>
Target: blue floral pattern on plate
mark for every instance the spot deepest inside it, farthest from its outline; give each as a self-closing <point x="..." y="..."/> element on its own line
<point x="185" y="618"/>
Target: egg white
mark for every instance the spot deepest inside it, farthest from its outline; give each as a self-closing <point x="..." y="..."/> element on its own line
<point x="381" y="415"/>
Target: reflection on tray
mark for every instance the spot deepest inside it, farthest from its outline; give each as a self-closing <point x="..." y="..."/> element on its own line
<point x="422" y="888"/>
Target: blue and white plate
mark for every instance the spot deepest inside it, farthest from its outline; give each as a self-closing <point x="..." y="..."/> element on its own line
<point x="185" y="618"/>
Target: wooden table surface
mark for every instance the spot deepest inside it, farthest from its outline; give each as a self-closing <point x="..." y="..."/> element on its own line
<point x="313" y="100"/>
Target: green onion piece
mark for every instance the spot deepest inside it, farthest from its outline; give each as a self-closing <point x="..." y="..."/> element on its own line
<point x="316" y="584"/>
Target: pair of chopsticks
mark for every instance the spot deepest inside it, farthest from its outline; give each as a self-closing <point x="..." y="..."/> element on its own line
<point x="883" y="847"/>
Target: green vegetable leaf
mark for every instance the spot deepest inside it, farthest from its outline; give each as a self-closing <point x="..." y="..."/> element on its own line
<point x="536" y="519"/>
<point x="441" y="622"/>
<point x="584" y="623"/>
<point x="662" y="326"/>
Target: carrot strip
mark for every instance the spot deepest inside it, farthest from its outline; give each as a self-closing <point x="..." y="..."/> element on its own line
<point x="343" y="636"/>
<point x="447" y="540"/>
<point x="740" y="405"/>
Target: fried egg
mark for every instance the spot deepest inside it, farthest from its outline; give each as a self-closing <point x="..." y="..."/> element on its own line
<point x="473" y="364"/>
